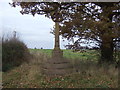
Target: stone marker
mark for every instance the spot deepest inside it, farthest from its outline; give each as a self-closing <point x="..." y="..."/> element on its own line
<point x="56" y="51"/>
<point x="57" y="65"/>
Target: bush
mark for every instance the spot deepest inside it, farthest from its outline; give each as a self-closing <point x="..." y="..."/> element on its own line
<point x="14" y="52"/>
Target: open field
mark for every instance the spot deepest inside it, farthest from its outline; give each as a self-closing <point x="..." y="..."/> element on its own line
<point x="88" y="55"/>
<point x="88" y="75"/>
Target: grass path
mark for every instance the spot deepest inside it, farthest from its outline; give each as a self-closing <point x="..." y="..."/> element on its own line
<point x="26" y="76"/>
<point x="29" y="75"/>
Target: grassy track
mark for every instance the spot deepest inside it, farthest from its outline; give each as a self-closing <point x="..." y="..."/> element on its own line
<point x="29" y="75"/>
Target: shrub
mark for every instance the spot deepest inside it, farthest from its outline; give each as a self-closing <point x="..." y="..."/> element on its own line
<point x="14" y="52"/>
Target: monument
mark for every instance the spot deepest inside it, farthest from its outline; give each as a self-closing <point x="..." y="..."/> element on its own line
<point x="57" y="52"/>
<point x="57" y="65"/>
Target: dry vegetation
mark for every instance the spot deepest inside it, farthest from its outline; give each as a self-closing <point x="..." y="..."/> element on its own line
<point x="87" y="75"/>
<point x="14" y="53"/>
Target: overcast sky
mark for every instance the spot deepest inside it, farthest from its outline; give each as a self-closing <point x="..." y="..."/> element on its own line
<point x="34" y="31"/>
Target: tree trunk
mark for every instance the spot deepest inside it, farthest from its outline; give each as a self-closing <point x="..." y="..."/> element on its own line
<point x="107" y="51"/>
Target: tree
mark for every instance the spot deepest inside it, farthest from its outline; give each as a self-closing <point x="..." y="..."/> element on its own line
<point x="97" y="22"/>
<point x="91" y="21"/>
<point x="54" y="11"/>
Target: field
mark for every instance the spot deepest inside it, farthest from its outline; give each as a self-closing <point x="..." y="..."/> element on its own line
<point x="88" y="75"/>
<point x="88" y="55"/>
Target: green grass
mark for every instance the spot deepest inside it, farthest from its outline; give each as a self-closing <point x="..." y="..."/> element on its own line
<point x="88" y="55"/>
<point x="29" y="75"/>
<point x="48" y="52"/>
<point x="20" y="78"/>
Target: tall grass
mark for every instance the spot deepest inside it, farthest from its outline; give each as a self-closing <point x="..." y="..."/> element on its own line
<point x="14" y="52"/>
<point x="88" y="75"/>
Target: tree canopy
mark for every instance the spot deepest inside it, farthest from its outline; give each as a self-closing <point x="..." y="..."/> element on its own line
<point x="97" y="21"/>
